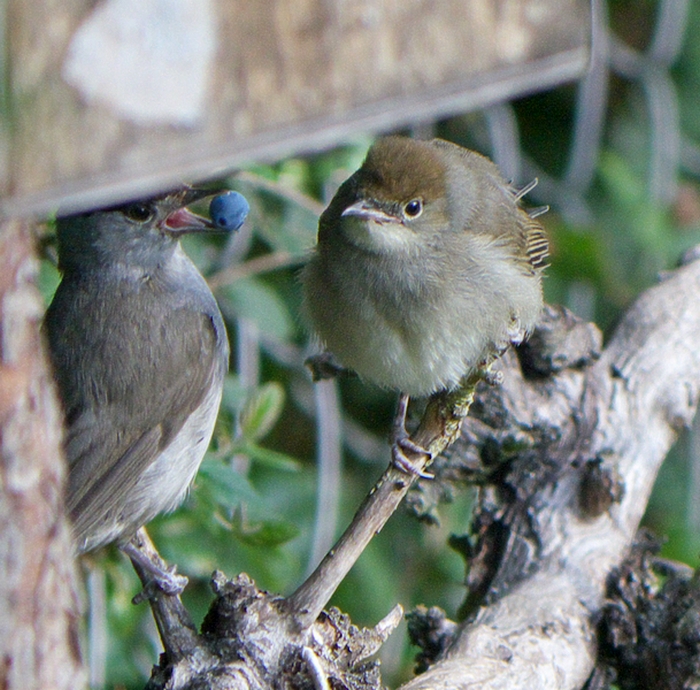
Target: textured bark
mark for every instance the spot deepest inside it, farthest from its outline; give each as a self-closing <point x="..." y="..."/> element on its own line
<point x="39" y="600"/>
<point x="600" y="433"/>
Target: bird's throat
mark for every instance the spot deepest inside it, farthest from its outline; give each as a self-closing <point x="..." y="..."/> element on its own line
<point x="379" y="238"/>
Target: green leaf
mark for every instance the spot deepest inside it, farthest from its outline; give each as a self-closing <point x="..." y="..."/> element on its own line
<point x="262" y="411"/>
<point x="271" y="458"/>
<point x="225" y="486"/>
<point x="234" y="395"/>
<point x="48" y="280"/>
<point x="266" y="533"/>
<point x="293" y="173"/>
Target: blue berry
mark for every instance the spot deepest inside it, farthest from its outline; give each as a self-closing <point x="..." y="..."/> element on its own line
<point x="228" y="211"/>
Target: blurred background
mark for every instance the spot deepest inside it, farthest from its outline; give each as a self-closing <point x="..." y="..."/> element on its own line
<point x="617" y="155"/>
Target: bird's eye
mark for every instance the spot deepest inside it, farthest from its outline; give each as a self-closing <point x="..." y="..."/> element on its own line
<point x="413" y="208"/>
<point x="139" y="212"/>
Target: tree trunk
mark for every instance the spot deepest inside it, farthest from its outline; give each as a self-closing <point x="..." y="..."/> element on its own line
<point x="39" y="598"/>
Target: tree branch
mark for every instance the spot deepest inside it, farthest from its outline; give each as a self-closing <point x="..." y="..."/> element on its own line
<point x="438" y="429"/>
<point x="622" y="413"/>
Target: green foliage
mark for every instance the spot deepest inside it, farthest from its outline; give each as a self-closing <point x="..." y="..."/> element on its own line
<point x="262" y="411"/>
<point x="252" y="299"/>
<point x="48" y="280"/>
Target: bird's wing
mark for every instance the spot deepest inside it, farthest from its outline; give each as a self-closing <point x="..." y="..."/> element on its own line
<point x="530" y="243"/>
<point x="535" y="241"/>
<point x="94" y="497"/>
<point x="136" y="374"/>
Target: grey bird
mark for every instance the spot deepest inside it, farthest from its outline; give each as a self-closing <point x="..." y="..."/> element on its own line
<point x="139" y="353"/>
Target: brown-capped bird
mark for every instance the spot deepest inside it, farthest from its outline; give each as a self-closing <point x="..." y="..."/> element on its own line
<point x="425" y="264"/>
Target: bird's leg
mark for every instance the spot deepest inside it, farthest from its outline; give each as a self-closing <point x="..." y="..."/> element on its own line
<point x="401" y="443"/>
<point x="163" y="577"/>
<point x="177" y="631"/>
<point x="324" y="366"/>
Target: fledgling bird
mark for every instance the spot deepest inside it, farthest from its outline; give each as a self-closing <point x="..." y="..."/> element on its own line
<point x="425" y="264"/>
<point x="139" y="353"/>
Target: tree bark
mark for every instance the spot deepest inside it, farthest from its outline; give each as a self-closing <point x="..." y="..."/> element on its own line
<point x="621" y="413"/>
<point x="39" y="599"/>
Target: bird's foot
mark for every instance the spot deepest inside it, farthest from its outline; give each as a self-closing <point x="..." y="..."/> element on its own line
<point x="402" y="446"/>
<point x="161" y="577"/>
<point x="166" y="581"/>
<point x="163" y="582"/>
<point x="493" y="377"/>
<point x="399" y="449"/>
<point x="324" y="366"/>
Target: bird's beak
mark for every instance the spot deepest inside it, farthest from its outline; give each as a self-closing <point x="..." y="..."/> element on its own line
<point x="181" y="221"/>
<point x="366" y="210"/>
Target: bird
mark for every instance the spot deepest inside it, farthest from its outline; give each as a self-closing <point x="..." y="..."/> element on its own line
<point x="425" y="265"/>
<point x="139" y="351"/>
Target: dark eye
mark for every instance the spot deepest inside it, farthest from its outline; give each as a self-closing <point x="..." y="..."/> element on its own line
<point x="139" y="212"/>
<point x="413" y="208"/>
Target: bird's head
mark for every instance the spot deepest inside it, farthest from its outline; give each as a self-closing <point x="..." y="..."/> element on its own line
<point x="139" y="232"/>
<point x="396" y="201"/>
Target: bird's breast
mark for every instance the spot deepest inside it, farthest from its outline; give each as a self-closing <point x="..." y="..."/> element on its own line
<point x="418" y="324"/>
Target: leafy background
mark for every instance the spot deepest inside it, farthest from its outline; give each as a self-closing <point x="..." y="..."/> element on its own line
<point x="254" y="507"/>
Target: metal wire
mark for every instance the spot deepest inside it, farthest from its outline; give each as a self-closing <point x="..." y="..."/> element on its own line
<point x="669" y="150"/>
<point x="591" y="107"/>
<point x="650" y="70"/>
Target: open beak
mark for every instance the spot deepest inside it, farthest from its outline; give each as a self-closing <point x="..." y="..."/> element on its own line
<point x="366" y="210"/>
<point x="180" y="220"/>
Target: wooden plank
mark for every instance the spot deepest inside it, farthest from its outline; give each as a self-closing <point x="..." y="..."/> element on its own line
<point x="124" y="97"/>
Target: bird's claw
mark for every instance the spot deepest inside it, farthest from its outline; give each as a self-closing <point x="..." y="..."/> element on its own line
<point x="324" y="366"/>
<point x="493" y="377"/>
<point x="161" y="577"/>
<point x="170" y="582"/>
<point x="163" y="581"/>
<point x="402" y="445"/>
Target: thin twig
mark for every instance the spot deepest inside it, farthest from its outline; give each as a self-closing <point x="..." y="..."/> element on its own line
<point x="438" y="429"/>
<point x="175" y="627"/>
<point x="307" y="202"/>
<point x="260" y="264"/>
